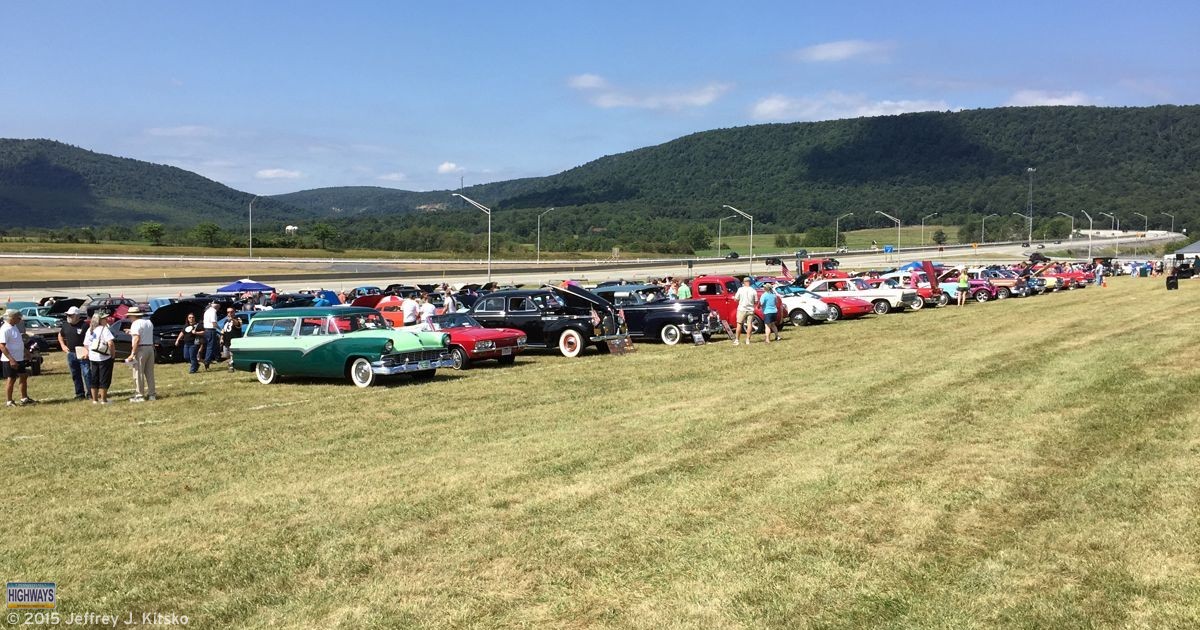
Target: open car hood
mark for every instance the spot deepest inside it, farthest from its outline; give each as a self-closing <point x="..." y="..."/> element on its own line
<point x="61" y="306"/>
<point x="577" y="297"/>
<point x="176" y="314"/>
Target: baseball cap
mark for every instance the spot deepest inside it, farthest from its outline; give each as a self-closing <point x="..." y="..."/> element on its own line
<point x="74" y="310"/>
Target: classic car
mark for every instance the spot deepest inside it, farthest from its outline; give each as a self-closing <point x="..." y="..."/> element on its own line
<point x="336" y="342"/>
<point x="1007" y="283"/>
<point x="650" y="314"/>
<point x="719" y="292"/>
<point x="883" y="299"/>
<point x="105" y="302"/>
<point x="43" y="336"/>
<point x="567" y="318"/>
<point x="977" y="289"/>
<point x="820" y="268"/>
<point x="38" y="316"/>
<point x="358" y="292"/>
<point x="840" y="306"/>
<point x="924" y="294"/>
<point x="801" y="306"/>
<point x="932" y="295"/>
<point x="471" y="341"/>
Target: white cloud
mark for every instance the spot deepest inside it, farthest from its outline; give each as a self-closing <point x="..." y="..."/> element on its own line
<point x="182" y="131"/>
<point x="278" y="173"/>
<point x="603" y="95"/>
<point x="393" y="177"/>
<point x="1025" y="98"/>
<point x="834" y="105"/>
<point x="446" y="168"/>
<point x="844" y="50"/>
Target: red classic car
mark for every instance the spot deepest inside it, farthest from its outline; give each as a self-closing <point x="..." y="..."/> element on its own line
<point x="470" y="341"/>
<point x="839" y="307"/>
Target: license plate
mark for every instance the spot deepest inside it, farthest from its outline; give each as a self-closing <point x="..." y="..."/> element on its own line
<point x="424" y="365"/>
<point x="505" y="351"/>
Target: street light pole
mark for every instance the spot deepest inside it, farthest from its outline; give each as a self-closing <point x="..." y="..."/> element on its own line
<point x="1029" y="217"/>
<point x="897" y="231"/>
<point x="923" y="227"/>
<point x="1089" y="232"/>
<point x="1145" y="228"/>
<point x="252" y="225"/>
<point x="836" y="229"/>
<point x="751" y="234"/>
<point x="1031" y="171"/>
<point x="1111" y="224"/>
<point x="1072" y="222"/>
<point x="983" y="227"/>
<point x="1172" y="220"/>
<point x="488" y="211"/>
<point x="539" y="238"/>
<point x="719" y="222"/>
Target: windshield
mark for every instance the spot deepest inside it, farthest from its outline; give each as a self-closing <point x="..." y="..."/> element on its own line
<point x="860" y="284"/>
<point x="455" y="320"/>
<point x="359" y="321"/>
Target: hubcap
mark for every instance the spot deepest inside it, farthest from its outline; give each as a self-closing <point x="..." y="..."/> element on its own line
<point x="362" y="371"/>
<point x="671" y="334"/>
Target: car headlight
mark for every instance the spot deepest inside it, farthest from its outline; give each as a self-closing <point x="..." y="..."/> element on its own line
<point x="487" y="344"/>
<point x="388" y="347"/>
<point x="521" y="340"/>
<point x="445" y="340"/>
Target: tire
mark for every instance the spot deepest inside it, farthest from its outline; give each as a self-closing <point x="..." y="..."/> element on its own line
<point x="570" y="343"/>
<point x="917" y="304"/>
<point x="360" y="373"/>
<point x="1003" y="293"/>
<point x="881" y="307"/>
<point x="461" y="360"/>
<point x="266" y="374"/>
<point x="757" y="324"/>
<point x="981" y="296"/>
<point x="799" y="318"/>
<point x="943" y="299"/>
<point x="835" y="312"/>
<point x="508" y="360"/>
<point x="35" y="369"/>
<point x="670" y="334"/>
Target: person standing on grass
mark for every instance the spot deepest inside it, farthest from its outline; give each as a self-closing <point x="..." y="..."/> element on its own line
<point x="1098" y="271"/>
<point x="426" y="310"/>
<point x="190" y="339"/>
<point x="746" y="298"/>
<point x="684" y="292"/>
<point x="770" y="309"/>
<point x="409" y="309"/>
<point x="211" y="342"/>
<point x="99" y="341"/>
<point x="964" y="286"/>
<point x="70" y="337"/>
<point x="12" y="351"/>
<point x="232" y="329"/>
<point x="141" y="356"/>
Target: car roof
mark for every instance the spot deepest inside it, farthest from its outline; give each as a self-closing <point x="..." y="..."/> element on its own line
<point x="314" y="311"/>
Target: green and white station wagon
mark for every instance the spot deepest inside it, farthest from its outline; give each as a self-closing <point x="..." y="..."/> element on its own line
<point x="336" y="342"/>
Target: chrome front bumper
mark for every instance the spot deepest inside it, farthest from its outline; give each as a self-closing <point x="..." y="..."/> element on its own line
<point x="389" y="367"/>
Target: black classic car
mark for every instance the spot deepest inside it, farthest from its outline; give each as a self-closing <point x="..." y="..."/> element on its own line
<point x="650" y="314"/>
<point x="566" y="318"/>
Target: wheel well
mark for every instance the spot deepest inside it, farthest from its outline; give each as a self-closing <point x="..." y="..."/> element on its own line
<point x="350" y="361"/>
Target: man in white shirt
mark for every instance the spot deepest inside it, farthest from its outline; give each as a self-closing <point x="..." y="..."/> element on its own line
<point x="211" y="343"/>
<point x="12" y="351"/>
<point x="409" y="308"/>
<point x="746" y="298"/>
<point x="141" y="356"/>
<point x="427" y="309"/>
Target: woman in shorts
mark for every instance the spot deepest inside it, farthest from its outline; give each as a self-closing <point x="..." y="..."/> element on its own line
<point x="99" y="341"/>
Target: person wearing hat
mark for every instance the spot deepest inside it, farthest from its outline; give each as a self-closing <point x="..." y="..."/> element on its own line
<point x="212" y="342"/>
<point x="12" y="352"/>
<point x="770" y="309"/>
<point x="70" y="337"/>
<point x="141" y="355"/>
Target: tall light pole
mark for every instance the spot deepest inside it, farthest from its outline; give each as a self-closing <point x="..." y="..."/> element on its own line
<point x="1146" y="227"/>
<point x="1089" y="232"/>
<point x="983" y="228"/>
<point x="1031" y="171"/>
<point x="1172" y="220"/>
<point x="719" y="222"/>
<point x="1111" y="225"/>
<point x="252" y="225"/>
<point x="1113" y="221"/>
<point x="1028" y="217"/>
<point x="488" y="211"/>
<point x="923" y="227"/>
<point x="837" y="232"/>
<point x="897" y="230"/>
<point x="751" y="234"/>
<point x="539" y="238"/>
<point x="1072" y="217"/>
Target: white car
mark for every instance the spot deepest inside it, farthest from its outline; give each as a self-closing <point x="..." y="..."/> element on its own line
<point x="801" y="306"/>
<point x="905" y="279"/>
<point x="883" y="299"/>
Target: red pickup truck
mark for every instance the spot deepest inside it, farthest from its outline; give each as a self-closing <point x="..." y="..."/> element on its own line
<point x="719" y="292"/>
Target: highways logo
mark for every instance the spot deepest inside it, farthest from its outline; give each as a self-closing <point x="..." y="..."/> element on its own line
<point x="30" y="595"/>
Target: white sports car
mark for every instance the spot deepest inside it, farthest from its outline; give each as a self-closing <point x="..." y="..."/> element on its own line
<point x="801" y="306"/>
<point x="883" y="299"/>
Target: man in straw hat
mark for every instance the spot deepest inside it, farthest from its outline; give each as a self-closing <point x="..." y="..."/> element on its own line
<point x="12" y="353"/>
<point x="141" y="355"/>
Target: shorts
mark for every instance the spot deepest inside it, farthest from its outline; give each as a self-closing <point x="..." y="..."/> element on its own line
<point x="744" y="316"/>
<point x="12" y="372"/>
<point x="770" y="317"/>
<point x="101" y="375"/>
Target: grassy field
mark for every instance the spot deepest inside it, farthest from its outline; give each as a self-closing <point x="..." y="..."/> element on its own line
<point x="1024" y="463"/>
<point x="857" y="239"/>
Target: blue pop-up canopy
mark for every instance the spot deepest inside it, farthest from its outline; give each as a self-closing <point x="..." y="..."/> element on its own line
<point x="245" y="284"/>
<point x="912" y="266"/>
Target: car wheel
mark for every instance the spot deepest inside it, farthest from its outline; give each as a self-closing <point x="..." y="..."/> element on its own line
<point x="461" y="360"/>
<point x="943" y="299"/>
<point x="361" y="374"/>
<point x="917" y="304"/>
<point x="756" y="324"/>
<point x="266" y="373"/>
<point x="881" y="307"/>
<point x="1003" y="293"/>
<point x="982" y="296"/>
<point x="799" y="318"/>
<point x="670" y="334"/>
<point x="835" y="312"/>
<point x="570" y="343"/>
<point x="507" y="360"/>
<point x="35" y="368"/>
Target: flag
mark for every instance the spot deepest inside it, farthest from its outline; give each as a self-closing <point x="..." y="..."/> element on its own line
<point x="595" y="318"/>
<point x="786" y="274"/>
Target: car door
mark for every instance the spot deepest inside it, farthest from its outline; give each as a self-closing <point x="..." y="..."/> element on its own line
<point x="523" y="314"/>
<point x="489" y="310"/>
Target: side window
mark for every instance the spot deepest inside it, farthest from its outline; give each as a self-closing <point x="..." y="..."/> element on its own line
<point x="520" y="304"/>
<point x="260" y="328"/>
<point x="312" y="326"/>
<point x="282" y="327"/>
<point x="708" y="288"/>
<point x="732" y="286"/>
<point x="491" y="305"/>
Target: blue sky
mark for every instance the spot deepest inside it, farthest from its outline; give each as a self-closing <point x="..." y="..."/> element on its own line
<point x="273" y="97"/>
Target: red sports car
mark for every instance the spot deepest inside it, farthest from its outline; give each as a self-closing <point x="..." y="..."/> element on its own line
<point x="470" y="341"/>
<point x="846" y="307"/>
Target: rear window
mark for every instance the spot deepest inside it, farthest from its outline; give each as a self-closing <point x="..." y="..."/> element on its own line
<point x="491" y="305"/>
<point x="281" y="327"/>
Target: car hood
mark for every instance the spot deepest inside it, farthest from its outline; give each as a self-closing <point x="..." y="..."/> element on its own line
<point x="481" y="334"/>
<point x="579" y="297"/>
<point x="176" y="314"/>
<point x="61" y="306"/>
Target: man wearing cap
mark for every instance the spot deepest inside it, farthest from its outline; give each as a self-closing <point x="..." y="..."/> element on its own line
<point x="141" y="355"/>
<point x="212" y="344"/>
<point x="70" y="337"/>
<point x="12" y="352"/>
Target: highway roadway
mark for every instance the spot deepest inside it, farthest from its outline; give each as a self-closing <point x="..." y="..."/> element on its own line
<point x="553" y="271"/>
